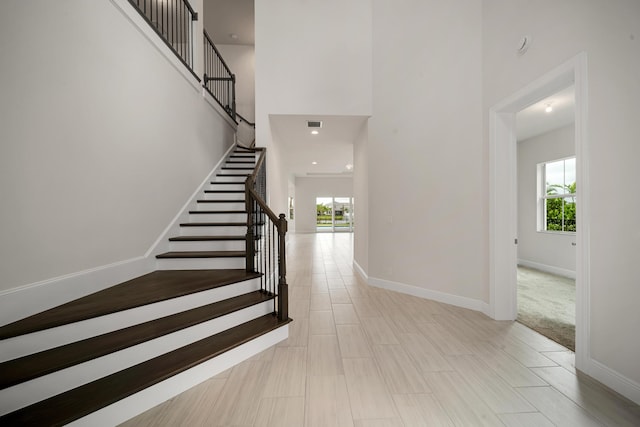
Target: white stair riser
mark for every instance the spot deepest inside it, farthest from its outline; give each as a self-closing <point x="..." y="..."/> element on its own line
<point x="234" y="187"/>
<point x="224" y="196"/>
<point x="199" y="263"/>
<point x="218" y="217"/>
<point x="249" y="167"/>
<point x="146" y="399"/>
<point x="214" y="231"/>
<point x="42" y="340"/>
<point x="223" y="245"/>
<point x="41" y="388"/>
<point x="238" y="179"/>
<point x="223" y="206"/>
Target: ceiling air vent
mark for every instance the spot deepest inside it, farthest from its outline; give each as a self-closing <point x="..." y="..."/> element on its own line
<point x="314" y="124"/>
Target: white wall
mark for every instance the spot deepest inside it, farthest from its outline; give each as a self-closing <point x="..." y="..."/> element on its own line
<point x="427" y="213"/>
<point x="551" y="251"/>
<point x="241" y="60"/>
<point x="103" y="139"/>
<point x="306" y="192"/>
<point x="311" y="58"/>
<point x="609" y="33"/>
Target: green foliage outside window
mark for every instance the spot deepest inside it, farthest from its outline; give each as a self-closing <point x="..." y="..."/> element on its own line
<point x="561" y="211"/>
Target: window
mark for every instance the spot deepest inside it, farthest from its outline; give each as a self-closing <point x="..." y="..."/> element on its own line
<point x="557" y="195"/>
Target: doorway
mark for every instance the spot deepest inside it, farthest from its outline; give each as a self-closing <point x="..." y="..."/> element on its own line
<point x="503" y="231"/>
<point x="334" y="214"/>
<point x="546" y="217"/>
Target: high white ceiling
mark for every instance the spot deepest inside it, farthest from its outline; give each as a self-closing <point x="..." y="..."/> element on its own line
<point x="222" y="18"/>
<point x="331" y="148"/>
<point x="534" y="120"/>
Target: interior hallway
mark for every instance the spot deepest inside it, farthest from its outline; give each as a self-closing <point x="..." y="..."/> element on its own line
<point x="362" y="356"/>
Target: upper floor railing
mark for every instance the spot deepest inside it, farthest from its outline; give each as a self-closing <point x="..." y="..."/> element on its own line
<point x="173" y="21"/>
<point x="219" y="81"/>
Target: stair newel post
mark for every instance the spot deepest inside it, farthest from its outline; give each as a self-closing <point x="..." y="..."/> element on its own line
<point x="283" y="287"/>
<point x="250" y="249"/>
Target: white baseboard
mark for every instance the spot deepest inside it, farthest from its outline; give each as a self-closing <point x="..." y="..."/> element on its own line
<point x="614" y="380"/>
<point x="363" y="274"/>
<point x="456" y="300"/>
<point x="547" y="268"/>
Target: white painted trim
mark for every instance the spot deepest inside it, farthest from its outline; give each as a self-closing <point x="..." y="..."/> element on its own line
<point x="146" y="399"/>
<point x="133" y="16"/>
<point x="416" y="291"/>
<point x="614" y="380"/>
<point x="24" y="301"/>
<point x="214" y="104"/>
<point x="547" y="268"/>
<point x="363" y="274"/>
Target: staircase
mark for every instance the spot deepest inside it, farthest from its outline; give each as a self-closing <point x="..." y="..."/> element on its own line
<point x="108" y="356"/>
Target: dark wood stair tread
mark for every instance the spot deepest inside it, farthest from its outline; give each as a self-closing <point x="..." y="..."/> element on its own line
<point x="233" y="174"/>
<point x="224" y="191"/>
<point x="217" y="212"/>
<point x="221" y="201"/>
<point x="239" y="162"/>
<point x="88" y="398"/>
<point x="35" y="365"/>
<point x="153" y="287"/>
<point x="202" y="254"/>
<point x="205" y="238"/>
<point x="225" y="183"/>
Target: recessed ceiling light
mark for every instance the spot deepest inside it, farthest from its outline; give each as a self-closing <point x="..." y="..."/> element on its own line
<point x="549" y="108"/>
<point x="314" y="163"/>
<point x="314" y="132"/>
<point x="233" y="36"/>
<point x="349" y="167"/>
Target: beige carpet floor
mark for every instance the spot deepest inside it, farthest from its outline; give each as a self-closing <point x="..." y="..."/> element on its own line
<point x="547" y="304"/>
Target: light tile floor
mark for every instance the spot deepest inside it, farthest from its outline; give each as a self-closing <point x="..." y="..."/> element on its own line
<point x="361" y="356"/>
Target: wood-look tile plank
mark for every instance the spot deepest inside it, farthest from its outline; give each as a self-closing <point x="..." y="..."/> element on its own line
<point x="353" y="341"/>
<point x="514" y="373"/>
<point x="445" y="342"/>
<point x="327" y="402"/>
<point x="320" y="302"/>
<point x="344" y="314"/>
<point x="321" y="322"/>
<point x="566" y="359"/>
<point x="423" y="353"/>
<point x="299" y="308"/>
<point x="339" y="296"/>
<point x="280" y="412"/>
<point x="492" y="389"/>
<point x="398" y="371"/>
<point x="368" y="394"/>
<point x="298" y="333"/>
<point x="324" y="356"/>
<point x="378" y="331"/>
<point x="380" y="422"/>
<point x="366" y="307"/>
<point x="558" y="408"/>
<point x="522" y="352"/>
<point x="287" y="375"/>
<point x="599" y="401"/>
<point x="530" y="419"/>
<point x="240" y="397"/>
<point x="421" y="410"/>
<point x="462" y="404"/>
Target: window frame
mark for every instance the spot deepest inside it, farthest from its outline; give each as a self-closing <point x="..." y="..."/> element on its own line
<point x="543" y="197"/>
